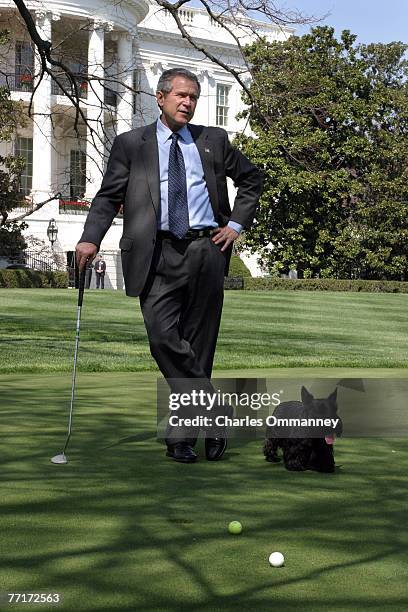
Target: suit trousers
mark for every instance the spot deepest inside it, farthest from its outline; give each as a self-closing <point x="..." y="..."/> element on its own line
<point x="181" y="305"/>
<point x="100" y="280"/>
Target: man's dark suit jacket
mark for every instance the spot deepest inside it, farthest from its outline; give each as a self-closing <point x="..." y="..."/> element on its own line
<point x="132" y="179"/>
<point x="100" y="265"/>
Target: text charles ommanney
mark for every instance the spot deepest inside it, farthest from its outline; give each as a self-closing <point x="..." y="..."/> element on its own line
<point x="247" y="421"/>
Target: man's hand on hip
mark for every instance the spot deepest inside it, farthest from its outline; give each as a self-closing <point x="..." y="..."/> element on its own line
<point x="85" y="252"/>
<point x="225" y="235"/>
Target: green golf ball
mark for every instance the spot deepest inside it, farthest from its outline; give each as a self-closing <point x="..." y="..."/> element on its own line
<point x="235" y="527"/>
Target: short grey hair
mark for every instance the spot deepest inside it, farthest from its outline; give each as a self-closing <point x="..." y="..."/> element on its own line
<point x="165" y="84"/>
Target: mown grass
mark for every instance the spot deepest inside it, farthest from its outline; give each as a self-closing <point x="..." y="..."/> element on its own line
<point x="123" y="528"/>
<point x="259" y="330"/>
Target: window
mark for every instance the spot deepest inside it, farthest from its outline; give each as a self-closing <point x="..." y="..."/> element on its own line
<point x="80" y="70"/>
<point x="24" y="66"/>
<point x="24" y="148"/>
<point x="222" y="104"/>
<point x="137" y="80"/>
<point x="77" y="174"/>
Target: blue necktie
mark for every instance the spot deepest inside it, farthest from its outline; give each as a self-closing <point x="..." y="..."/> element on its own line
<point x="177" y="198"/>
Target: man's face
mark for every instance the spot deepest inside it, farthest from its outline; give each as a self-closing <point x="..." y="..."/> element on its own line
<point x="178" y="106"/>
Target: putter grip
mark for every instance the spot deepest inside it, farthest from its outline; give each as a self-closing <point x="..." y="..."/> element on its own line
<point x="81" y="286"/>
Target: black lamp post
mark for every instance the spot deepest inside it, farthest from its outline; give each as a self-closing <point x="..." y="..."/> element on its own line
<point x="52" y="231"/>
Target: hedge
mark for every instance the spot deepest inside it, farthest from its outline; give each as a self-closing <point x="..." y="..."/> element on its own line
<point x="13" y="279"/>
<point x="325" y="284"/>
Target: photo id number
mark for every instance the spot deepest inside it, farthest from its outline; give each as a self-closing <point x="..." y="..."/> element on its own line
<point x="33" y="598"/>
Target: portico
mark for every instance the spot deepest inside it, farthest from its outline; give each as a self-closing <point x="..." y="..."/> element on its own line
<point x="106" y="100"/>
<point x="115" y="53"/>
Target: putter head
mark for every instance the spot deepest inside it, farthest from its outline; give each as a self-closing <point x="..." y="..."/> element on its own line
<point x="59" y="459"/>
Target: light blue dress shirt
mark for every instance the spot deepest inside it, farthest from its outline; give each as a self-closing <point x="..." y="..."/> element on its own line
<point x="199" y="206"/>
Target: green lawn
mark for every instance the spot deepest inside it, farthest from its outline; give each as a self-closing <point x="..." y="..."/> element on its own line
<point x="123" y="528"/>
<point x="259" y="330"/>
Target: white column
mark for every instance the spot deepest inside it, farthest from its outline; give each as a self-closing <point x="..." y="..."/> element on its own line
<point x="95" y="110"/>
<point x="204" y="101"/>
<point x="126" y="65"/>
<point x="153" y="71"/>
<point x="42" y="125"/>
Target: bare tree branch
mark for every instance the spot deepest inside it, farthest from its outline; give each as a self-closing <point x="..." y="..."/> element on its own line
<point x="173" y="10"/>
<point x="33" y="208"/>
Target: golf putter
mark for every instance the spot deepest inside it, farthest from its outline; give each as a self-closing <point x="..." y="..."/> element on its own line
<point x="62" y="458"/>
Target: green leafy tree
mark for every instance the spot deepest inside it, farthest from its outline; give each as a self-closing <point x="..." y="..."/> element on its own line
<point x="11" y="239"/>
<point x="330" y="121"/>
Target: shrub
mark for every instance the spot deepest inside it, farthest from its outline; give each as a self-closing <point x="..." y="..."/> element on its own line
<point x="13" y="279"/>
<point x="325" y="284"/>
<point x="238" y="268"/>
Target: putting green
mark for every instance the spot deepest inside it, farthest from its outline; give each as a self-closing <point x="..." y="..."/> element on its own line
<point x="123" y="528"/>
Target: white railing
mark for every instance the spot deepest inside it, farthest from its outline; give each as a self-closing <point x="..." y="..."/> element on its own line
<point x="186" y="16"/>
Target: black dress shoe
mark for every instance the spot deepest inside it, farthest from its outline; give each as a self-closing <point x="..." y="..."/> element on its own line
<point x="215" y="447"/>
<point x="181" y="451"/>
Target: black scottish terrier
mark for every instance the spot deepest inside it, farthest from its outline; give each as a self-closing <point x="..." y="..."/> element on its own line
<point x="304" y="448"/>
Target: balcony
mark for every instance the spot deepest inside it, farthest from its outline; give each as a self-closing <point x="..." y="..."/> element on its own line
<point x="25" y="82"/>
<point x="17" y="82"/>
<point x="73" y="206"/>
<point x="110" y="96"/>
<point x="68" y="87"/>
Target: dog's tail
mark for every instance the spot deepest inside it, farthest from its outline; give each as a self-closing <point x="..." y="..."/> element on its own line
<point x="270" y="450"/>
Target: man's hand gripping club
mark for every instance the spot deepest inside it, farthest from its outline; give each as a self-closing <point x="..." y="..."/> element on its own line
<point x="85" y="254"/>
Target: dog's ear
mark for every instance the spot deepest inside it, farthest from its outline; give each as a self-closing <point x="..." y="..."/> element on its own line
<point x="307" y="398"/>
<point x="333" y="397"/>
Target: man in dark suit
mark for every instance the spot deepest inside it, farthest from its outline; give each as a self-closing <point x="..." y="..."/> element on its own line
<point x="178" y="231"/>
<point x="100" y="270"/>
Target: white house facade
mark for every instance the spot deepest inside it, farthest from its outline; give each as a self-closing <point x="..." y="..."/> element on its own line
<point x="123" y="47"/>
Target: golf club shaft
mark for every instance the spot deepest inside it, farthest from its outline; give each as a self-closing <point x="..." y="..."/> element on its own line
<point x="78" y="326"/>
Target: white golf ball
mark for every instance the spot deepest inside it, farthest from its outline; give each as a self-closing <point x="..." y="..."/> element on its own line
<point x="276" y="559"/>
